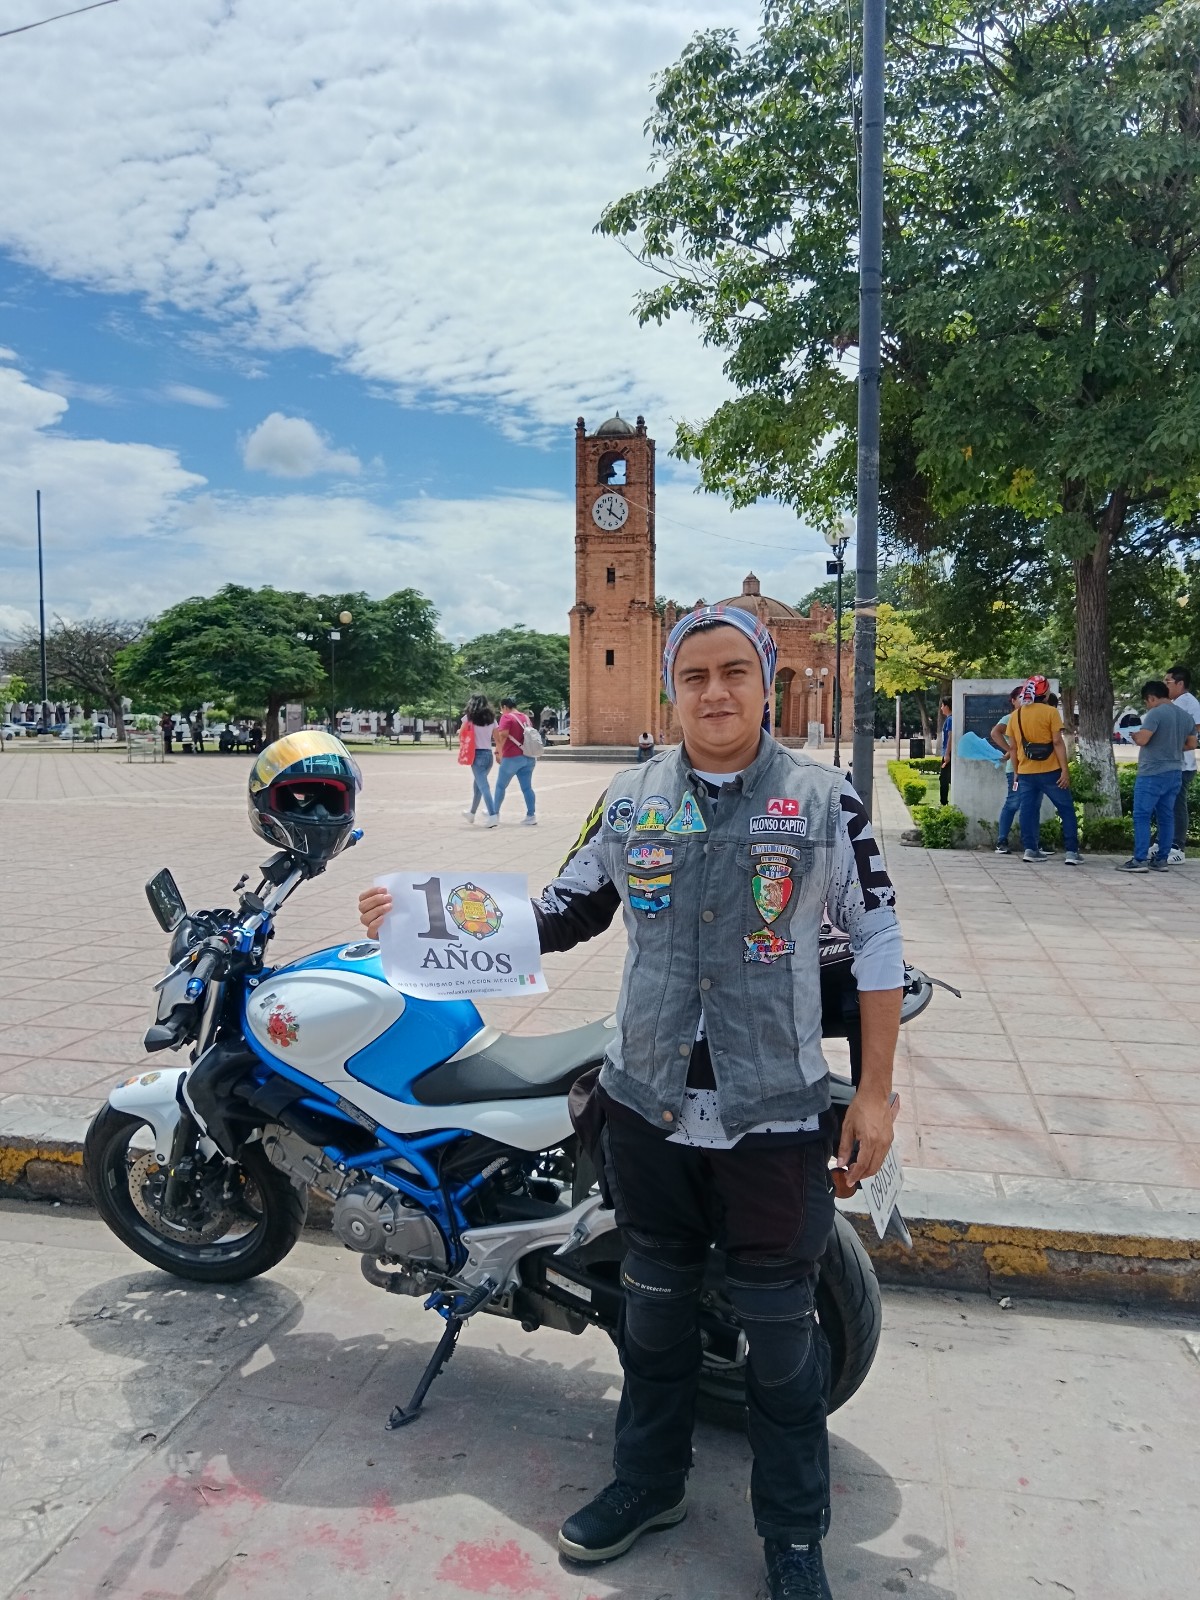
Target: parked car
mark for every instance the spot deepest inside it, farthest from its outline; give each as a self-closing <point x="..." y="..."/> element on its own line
<point x="11" y="730"/>
<point x="1128" y="722"/>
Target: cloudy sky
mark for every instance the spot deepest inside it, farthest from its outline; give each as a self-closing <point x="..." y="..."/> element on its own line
<point x="309" y="294"/>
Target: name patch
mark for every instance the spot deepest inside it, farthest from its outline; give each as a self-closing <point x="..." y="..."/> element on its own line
<point x="796" y="826"/>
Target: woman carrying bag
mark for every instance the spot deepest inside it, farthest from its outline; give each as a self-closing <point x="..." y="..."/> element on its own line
<point x="475" y="751"/>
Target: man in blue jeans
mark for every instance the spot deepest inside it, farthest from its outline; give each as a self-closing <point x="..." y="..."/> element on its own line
<point x="1039" y="758"/>
<point x="1166" y="732"/>
<point x="1012" y="800"/>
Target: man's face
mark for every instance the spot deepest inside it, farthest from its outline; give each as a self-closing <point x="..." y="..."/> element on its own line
<point x="718" y="690"/>
<point x="1150" y="701"/>
<point x="1175" y="686"/>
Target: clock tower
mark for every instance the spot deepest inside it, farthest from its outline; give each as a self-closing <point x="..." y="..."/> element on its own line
<point x="615" y="630"/>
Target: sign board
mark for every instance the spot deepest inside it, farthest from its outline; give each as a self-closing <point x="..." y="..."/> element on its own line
<point x="981" y="713"/>
<point x="460" y="935"/>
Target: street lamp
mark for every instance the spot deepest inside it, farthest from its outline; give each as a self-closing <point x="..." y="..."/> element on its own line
<point x="837" y="539"/>
<point x="345" y="618"/>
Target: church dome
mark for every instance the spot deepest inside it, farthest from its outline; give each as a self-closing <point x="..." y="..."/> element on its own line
<point x="615" y="428"/>
<point x="752" y="597"/>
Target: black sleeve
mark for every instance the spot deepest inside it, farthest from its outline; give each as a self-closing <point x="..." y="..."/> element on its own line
<point x="582" y="900"/>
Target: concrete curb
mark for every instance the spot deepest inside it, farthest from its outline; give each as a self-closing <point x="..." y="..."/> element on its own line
<point x="968" y="1233"/>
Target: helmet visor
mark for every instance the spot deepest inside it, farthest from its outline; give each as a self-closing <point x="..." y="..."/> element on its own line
<point x="310" y="753"/>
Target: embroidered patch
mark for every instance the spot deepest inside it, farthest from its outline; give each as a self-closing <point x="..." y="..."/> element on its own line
<point x="687" y="819"/>
<point x="650" y="895"/>
<point x="797" y="826"/>
<point x="654" y="814"/>
<point x="767" y="947"/>
<point x="649" y="857"/>
<point x="473" y="911"/>
<point x="778" y="848"/>
<point x="783" y="808"/>
<point x="772" y="886"/>
<point x="619" y="815"/>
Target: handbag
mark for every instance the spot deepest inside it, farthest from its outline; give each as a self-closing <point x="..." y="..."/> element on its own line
<point x="1033" y="752"/>
<point x="466" y="744"/>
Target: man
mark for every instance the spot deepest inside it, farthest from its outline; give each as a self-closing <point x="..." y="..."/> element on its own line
<point x="721" y="856"/>
<point x="1039" y="757"/>
<point x="1012" y="801"/>
<point x="1179" y="686"/>
<point x="166" y="724"/>
<point x="1166" y="733"/>
<point x="945" y="706"/>
<point x="645" y="746"/>
<point x="512" y="760"/>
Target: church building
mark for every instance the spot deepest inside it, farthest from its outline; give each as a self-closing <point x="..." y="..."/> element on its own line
<point x="618" y="624"/>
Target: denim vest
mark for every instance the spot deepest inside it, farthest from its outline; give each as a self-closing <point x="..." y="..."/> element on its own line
<point x="722" y="904"/>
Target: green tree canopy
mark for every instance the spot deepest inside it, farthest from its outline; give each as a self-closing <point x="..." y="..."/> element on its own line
<point x="534" y="668"/>
<point x="239" y="646"/>
<point x="1042" y="223"/>
<point x="389" y="655"/>
<point x="81" y="662"/>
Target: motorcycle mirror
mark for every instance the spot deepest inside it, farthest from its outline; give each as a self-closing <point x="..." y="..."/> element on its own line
<point x="166" y="902"/>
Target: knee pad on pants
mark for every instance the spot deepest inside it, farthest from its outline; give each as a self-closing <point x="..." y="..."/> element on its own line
<point x="779" y="1323"/>
<point x="661" y="1297"/>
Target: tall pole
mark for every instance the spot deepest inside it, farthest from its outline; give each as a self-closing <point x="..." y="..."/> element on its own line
<point x="42" y="618"/>
<point x="870" y="284"/>
<point x="837" y="666"/>
<point x="333" y="638"/>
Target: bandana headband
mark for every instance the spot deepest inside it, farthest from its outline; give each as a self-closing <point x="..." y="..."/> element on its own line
<point x="732" y="617"/>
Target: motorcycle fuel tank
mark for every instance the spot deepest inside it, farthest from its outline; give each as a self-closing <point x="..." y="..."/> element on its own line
<point x="317" y="1014"/>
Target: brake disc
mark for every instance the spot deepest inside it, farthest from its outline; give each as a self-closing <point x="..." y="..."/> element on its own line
<point x="147" y="1178"/>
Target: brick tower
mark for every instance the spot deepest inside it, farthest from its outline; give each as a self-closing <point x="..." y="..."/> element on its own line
<point x="614" y="624"/>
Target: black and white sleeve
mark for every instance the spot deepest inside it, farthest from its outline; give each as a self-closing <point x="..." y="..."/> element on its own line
<point x="582" y="900"/>
<point x="862" y="899"/>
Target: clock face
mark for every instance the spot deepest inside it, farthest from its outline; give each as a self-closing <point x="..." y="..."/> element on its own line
<point x="610" y="511"/>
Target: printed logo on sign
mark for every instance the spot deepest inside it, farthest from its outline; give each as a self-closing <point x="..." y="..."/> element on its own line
<point x="474" y="911"/>
<point x="797" y="826"/>
<point x="619" y="815"/>
<point x="783" y="808"/>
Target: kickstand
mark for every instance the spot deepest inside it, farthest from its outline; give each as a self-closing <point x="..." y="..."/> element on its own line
<point x="456" y="1309"/>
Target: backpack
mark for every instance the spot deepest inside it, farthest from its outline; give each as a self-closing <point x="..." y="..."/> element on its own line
<point x="531" y="742"/>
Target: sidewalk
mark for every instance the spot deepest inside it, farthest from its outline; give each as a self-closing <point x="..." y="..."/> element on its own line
<point x="1062" y="1091"/>
<point x="168" y="1441"/>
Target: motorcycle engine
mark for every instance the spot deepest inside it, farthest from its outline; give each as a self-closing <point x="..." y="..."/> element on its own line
<point x="374" y="1219"/>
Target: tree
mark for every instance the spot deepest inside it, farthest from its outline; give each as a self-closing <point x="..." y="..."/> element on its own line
<point x="81" y="662"/>
<point x="1042" y="223"/>
<point x="534" y="668"/>
<point x="905" y="661"/>
<point x="391" y="654"/>
<point x="240" y="645"/>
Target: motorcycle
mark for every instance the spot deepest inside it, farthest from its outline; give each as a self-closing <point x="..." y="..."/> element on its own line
<point x="442" y="1147"/>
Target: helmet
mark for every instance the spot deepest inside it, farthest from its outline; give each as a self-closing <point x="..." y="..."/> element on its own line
<point x="302" y="791"/>
<point x="1034" y="688"/>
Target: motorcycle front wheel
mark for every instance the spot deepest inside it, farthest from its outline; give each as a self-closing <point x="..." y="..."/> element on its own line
<point x="236" y="1220"/>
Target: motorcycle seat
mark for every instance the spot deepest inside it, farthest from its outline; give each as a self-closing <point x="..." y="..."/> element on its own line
<point x="524" y="1068"/>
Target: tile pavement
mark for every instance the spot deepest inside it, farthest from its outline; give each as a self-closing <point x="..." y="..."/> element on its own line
<point x="1069" y="1070"/>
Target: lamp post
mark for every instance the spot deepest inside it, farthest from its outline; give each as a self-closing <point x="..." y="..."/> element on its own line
<point x="345" y="618"/>
<point x="837" y="539"/>
<point x="42" y="618"/>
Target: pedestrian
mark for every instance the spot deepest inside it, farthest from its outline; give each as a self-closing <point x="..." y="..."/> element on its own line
<point x="645" y="747"/>
<point x="1166" y="734"/>
<point x="1179" y="686"/>
<point x="475" y="751"/>
<point x="509" y="739"/>
<point x="166" y="725"/>
<point x="722" y="855"/>
<point x="945" y="706"/>
<point x="1039" y="757"/>
<point x="1012" y="800"/>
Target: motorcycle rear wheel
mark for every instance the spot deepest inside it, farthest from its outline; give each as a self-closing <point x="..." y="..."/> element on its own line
<point x="269" y="1207"/>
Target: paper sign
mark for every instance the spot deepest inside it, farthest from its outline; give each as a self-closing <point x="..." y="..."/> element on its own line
<point x="460" y="935"/>
<point x="883" y="1190"/>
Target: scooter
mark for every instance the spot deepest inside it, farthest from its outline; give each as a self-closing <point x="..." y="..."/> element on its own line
<point x="441" y="1147"/>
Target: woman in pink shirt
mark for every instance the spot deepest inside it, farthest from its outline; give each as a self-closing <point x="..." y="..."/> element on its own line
<point x="514" y="763"/>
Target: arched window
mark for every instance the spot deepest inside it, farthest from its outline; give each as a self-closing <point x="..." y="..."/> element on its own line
<point x="611" y="469"/>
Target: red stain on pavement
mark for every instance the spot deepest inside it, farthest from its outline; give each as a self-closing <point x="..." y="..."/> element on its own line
<point x="381" y="1508"/>
<point x="1024" y="1482"/>
<point x="345" y="1545"/>
<point x="487" y="1568"/>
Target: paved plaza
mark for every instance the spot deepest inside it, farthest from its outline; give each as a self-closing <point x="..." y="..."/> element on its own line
<point x="1067" y="1075"/>
<point x="171" y="1441"/>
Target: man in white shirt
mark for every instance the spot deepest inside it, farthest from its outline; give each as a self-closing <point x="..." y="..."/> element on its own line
<point x="1179" y="685"/>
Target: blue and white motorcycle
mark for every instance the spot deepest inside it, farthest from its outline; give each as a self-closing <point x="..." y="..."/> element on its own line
<point x="442" y="1149"/>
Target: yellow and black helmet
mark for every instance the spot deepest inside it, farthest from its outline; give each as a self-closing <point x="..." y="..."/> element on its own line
<point x="302" y="792"/>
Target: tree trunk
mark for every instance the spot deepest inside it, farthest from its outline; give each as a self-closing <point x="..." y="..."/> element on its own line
<point x="1093" y="680"/>
<point x="118" y="716"/>
<point x="923" y="713"/>
<point x="271" y="727"/>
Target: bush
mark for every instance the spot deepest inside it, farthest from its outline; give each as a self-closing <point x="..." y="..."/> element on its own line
<point x="925" y="763"/>
<point x="914" y="793"/>
<point x="1126" y="778"/>
<point x="941" y="827"/>
<point x="1050" y="834"/>
<point x="1107" y="834"/>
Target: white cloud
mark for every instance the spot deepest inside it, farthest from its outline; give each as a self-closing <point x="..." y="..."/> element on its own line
<point x="185" y="394"/>
<point x="96" y="394"/>
<point x="290" y="447"/>
<point x="13" y="621"/>
<point x="409" y="189"/>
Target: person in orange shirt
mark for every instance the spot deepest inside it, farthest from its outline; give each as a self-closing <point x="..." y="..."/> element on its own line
<point x="1039" y="757"/>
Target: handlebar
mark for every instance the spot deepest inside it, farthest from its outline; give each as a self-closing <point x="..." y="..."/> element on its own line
<point x="207" y="963"/>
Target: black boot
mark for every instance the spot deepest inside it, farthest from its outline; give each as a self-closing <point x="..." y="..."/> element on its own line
<point x="795" y="1571"/>
<point x="609" y="1524"/>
